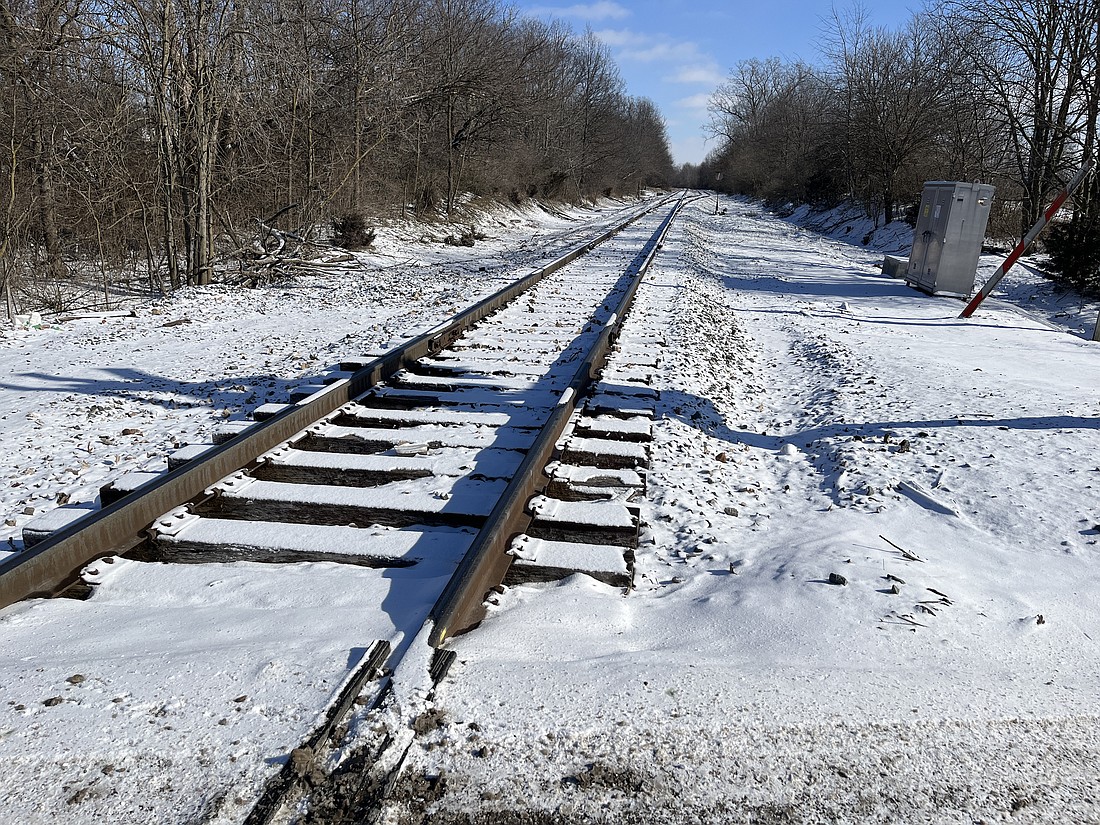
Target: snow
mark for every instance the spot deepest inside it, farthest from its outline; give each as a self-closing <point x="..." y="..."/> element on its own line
<point x="54" y="520"/>
<point x="607" y="447"/>
<point x="376" y="542"/>
<point x="461" y="497"/>
<point x="434" y="416"/>
<point x="90" y="398"/>
<point x="289" y="457"/>
<point x="87" y="400"/>
<point x="617" y="426"/>
<point x="598" y="513"/>
<point x="569" y="555"/>
<point x="167" y="726"/>
<point x="813" y="418"/>
<point x="188" y="453"/>
<point x="503" y="438"/>
<point x="495" y="382"/>
<point x="477" y="398"/>
<point x="595" y="475"/>
<point x="131" y="481"/>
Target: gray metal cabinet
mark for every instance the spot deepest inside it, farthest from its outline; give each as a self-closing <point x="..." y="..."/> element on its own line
<point x="948" y="237"/>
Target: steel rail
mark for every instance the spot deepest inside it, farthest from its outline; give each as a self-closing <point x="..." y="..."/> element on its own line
<point x="460" y="607"/>
<point x="55" y="562"/>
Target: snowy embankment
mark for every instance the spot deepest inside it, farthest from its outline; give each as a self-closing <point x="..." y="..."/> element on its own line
<point x="1024" y="287"/>
<point x="818" y="423"/>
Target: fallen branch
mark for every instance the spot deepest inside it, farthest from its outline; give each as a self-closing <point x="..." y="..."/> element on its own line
<point x="905" y="553"/>
<point x="92" y="315"/>
<point x="902" y="618"/>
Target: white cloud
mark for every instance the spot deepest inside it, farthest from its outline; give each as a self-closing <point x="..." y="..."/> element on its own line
<point x="695" y="103"/>
<point x="602" y="10"/>
<point x="690" y="63"/>
<point x="622" y="38"/>
<point x="644" y="48"/>
<point x="688" y="149"/>
<point x="651" y="53"/>
<point x="707" y="74"/>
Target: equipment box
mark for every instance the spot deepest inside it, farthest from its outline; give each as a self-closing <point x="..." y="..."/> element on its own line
<point x="948" y="237"/>
<point x="895" y="267"/>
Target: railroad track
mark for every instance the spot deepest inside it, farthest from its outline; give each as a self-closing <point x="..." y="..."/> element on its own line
<point x="484" y="451"/>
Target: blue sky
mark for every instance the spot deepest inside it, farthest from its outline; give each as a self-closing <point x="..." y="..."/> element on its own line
<point x="676" y="54"/>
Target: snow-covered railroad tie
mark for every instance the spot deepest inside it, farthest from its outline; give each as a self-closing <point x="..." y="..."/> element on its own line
<point x="409" y="487"/>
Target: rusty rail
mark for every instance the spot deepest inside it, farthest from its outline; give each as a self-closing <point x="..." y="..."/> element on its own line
<point x="461" y="605"/>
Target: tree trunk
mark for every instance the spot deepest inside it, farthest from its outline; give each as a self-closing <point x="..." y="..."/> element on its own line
<point x="44" y="164"/>
<point x="169" y="159"/>
<point x="450" y="156"/>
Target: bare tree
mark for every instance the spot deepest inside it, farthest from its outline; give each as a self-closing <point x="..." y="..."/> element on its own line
<point x="164" y="127"/>
<point x="893" y="95"/>
<point x="36" y="43"/>
<point x="771" y="116"/>
<point x="1029" y="56"/>
<point x="1075" y="244"/>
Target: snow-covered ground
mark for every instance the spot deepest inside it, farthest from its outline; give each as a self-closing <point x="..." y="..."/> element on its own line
<point x="1024" y="286"/>
<point x="173" y="694"/>
<point x="817" y="421"/>
<point x="87" y="400"/>
<point x="815" y="417"/>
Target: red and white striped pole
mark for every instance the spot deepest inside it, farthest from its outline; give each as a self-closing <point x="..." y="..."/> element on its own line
<point x="1028" y="240"/>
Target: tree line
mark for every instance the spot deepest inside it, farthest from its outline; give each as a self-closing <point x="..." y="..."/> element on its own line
<point x="156" y="134"/>
<point x="1002" y="91"/>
